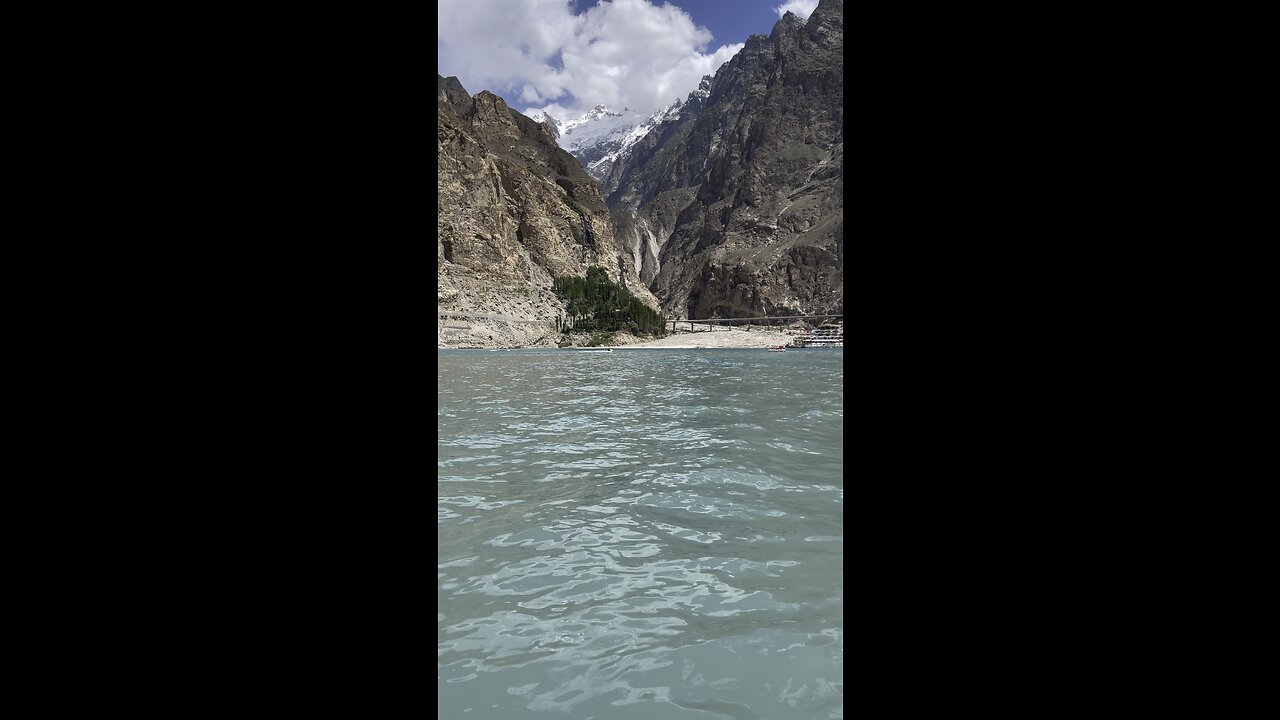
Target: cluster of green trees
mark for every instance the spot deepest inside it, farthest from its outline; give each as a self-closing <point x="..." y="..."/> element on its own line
<point x="596" y="303"/>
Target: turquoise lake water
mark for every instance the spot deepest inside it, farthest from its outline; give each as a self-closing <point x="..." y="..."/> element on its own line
<point x="640" y="534"/>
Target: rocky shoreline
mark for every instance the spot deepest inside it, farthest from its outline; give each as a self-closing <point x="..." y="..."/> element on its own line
<point x="721" y="339"/>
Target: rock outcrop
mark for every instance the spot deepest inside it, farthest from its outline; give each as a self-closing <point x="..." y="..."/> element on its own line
<point x="735" y="208"/>
<point x="515" y="211"/>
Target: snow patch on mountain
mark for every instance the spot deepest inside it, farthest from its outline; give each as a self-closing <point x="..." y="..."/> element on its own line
<point x="596" y="137"/>
<point x="600" y="136"/>
<point x="552" y="124"/>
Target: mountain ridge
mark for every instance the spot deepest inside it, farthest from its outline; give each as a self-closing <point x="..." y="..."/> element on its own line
<point x="515" y="211"/>
<point x="735" y="208"/>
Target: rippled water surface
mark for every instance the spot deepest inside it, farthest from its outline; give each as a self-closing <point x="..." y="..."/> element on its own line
<point x="641" y="534"/>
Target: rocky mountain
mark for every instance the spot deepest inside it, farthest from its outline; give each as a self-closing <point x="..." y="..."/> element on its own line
<point x="599" y="136"/>
<point x="515" y="211"/>
<point x="734" y="206"/>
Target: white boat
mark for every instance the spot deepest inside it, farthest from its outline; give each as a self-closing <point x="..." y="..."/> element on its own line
<point x="777" y="348"/>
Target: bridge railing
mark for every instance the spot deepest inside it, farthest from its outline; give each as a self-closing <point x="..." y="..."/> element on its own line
<point x="710" y="324"/>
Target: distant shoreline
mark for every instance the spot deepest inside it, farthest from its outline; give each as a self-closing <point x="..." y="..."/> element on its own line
<point x="720" y="340"/>
<point x="712" y="340"/>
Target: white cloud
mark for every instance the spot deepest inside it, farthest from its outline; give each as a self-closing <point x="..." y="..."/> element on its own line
<point x="803" y="8"/>
<point x="538" y="55"/>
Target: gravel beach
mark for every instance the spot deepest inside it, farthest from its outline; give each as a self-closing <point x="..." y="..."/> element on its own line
<point x="712" y="340"/>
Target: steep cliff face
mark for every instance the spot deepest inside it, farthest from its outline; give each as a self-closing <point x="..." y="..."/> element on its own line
<point x="736" y="208"/>
<point x="514" y="211"/>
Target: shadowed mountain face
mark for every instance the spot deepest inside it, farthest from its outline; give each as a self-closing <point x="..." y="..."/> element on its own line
<point x="736" y="207"/>
<point x="514" y="211"/>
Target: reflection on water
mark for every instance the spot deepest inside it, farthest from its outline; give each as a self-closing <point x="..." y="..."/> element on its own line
<point x="640" y="534"/>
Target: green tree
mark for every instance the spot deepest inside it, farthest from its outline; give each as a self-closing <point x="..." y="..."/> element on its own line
<point x="596" y="303"/>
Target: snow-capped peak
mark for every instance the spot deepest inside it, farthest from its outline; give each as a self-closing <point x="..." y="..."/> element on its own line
<point x="620" y="142"/>
<point x="552" y="124"/>
<point x="599" y="136"/>
<point x="597" y="113"/>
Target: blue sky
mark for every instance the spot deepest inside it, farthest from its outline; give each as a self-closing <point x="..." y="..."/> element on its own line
<point x="564" y="56"/>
